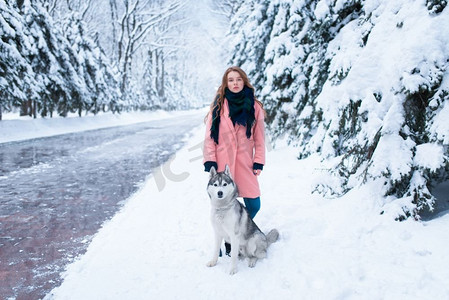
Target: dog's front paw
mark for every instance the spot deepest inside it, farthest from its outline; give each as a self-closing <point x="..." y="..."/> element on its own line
<point x="212" y="263"/>
<point x="252" y="262"/>
<point x="233" y="271"/>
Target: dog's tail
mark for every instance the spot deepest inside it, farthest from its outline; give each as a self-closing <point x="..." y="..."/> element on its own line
<point x="272" y="236"/>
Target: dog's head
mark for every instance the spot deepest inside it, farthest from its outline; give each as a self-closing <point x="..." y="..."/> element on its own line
<point x="221" y="187"/>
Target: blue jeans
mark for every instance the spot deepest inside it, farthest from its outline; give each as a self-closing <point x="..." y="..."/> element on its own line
<point x="252" y="205"/>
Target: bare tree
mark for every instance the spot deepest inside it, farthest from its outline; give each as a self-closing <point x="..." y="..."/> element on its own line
<point x="82" y="7"/>
<point x="225" y="7"/>
<point x="114" y="18"/>
<point x="137" y="20"/>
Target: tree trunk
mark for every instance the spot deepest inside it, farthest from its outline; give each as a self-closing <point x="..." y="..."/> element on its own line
<point x="156" y="79"/>
<point x="34" y="108"/>
<point x="114" y="18"/>
<point x="25" y="108"/>
<point x="162" y="88"/>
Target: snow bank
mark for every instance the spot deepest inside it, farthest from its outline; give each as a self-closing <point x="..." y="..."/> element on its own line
<point x="13" y="128"/>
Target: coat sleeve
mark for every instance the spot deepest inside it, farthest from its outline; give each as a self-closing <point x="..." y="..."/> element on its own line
<point x="259" y="137"/>
<point x="209" y="148"/>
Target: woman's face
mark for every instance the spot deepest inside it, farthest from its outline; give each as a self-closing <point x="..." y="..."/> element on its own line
<point x="235" y="82"/>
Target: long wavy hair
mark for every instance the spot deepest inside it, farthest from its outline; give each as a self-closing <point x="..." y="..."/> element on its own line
<point x="219" y="96"/>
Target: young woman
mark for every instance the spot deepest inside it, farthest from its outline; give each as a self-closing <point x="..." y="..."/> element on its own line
<point x="235" y="135"/>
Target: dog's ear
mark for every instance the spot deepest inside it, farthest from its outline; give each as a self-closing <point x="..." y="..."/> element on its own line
<point x="227" y="171"/>
<point x="212" y="172"/>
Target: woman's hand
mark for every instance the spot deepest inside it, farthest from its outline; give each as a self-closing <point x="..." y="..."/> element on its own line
<point x="257" y="172"/>
<point x="257" y="168"/>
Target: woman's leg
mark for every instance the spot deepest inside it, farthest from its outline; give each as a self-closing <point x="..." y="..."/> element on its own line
<point x="252" y="205"/>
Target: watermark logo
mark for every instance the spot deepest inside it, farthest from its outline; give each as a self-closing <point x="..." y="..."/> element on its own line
<point x="164" y="173"/>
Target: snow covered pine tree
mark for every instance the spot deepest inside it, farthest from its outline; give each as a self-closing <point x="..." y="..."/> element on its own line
<point x="364" y="84"/>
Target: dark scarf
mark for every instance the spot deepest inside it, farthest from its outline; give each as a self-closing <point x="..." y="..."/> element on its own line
<point x="241" y="111"/>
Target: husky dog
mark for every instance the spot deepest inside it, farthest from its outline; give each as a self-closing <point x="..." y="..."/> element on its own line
<point x="231" y="222"/>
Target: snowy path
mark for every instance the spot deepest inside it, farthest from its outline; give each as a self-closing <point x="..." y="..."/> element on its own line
<point x="158" y="245"/>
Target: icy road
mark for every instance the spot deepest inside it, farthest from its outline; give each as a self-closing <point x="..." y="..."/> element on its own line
<point x="56" y="192"/>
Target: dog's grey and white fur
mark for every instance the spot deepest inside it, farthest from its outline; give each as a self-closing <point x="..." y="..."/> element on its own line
<point x="231" y="222"/>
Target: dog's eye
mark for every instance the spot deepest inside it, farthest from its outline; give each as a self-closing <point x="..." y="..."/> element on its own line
<point x="225" y="184"/>
<point x="215" y="184"/>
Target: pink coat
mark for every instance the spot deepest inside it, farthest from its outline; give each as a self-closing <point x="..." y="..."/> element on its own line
<point x="236" y="150"/>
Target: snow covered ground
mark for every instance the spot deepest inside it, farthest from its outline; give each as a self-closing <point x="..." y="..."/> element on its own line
<point x="158" y="245"/>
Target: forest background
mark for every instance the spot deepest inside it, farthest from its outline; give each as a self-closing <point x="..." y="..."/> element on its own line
<point x="363" y="83"/>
